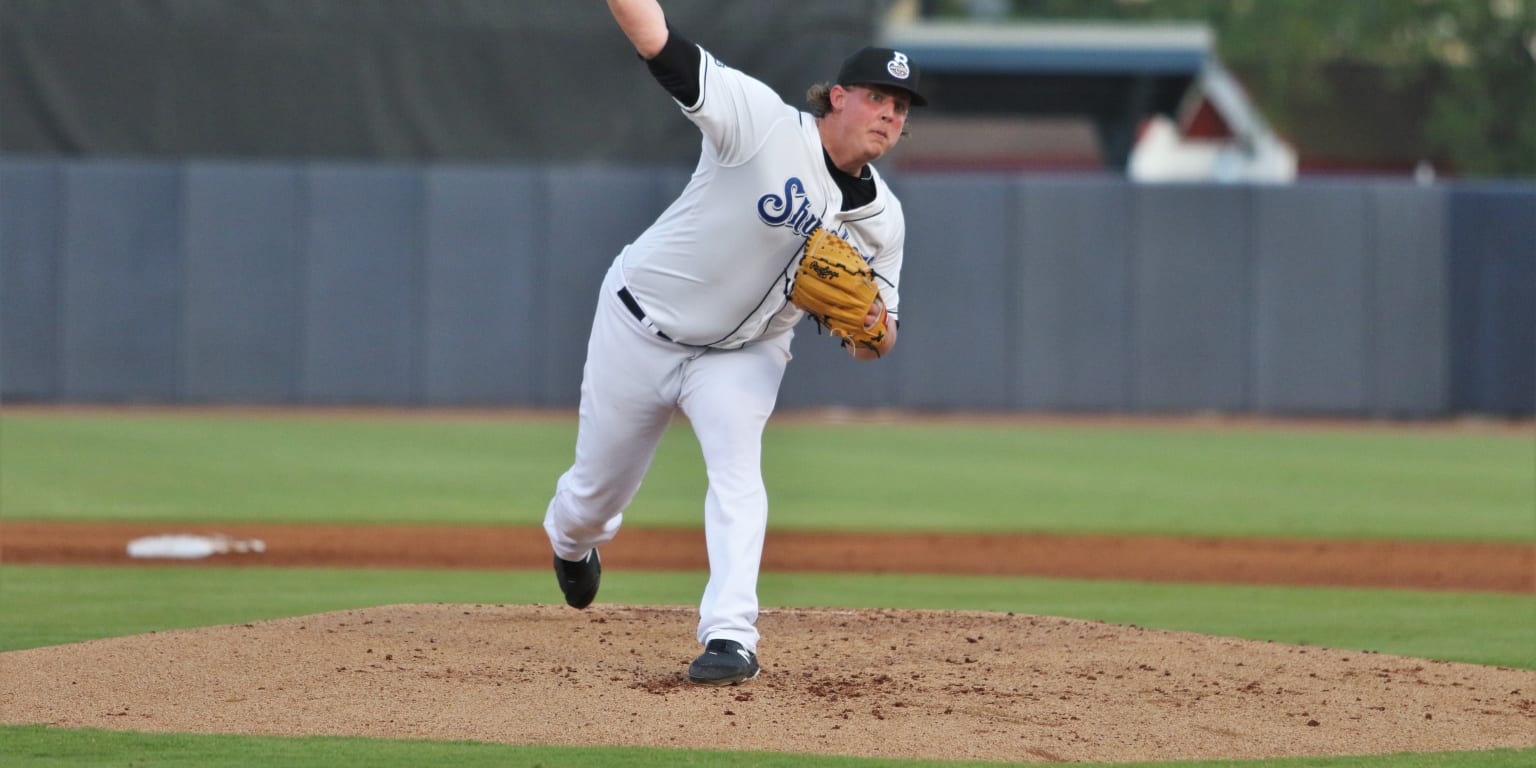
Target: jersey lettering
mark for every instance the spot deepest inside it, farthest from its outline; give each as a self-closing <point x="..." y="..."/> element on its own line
<point x="792" y="210"/>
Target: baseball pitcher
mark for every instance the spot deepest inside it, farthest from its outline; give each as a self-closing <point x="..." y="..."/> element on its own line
<point x="784" y="217"/>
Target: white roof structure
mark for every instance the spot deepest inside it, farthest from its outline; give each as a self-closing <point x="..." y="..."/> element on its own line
<point x="1140" y="85"/>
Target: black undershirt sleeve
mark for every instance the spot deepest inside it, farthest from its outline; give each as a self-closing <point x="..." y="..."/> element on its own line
<point x="676" y="67"/>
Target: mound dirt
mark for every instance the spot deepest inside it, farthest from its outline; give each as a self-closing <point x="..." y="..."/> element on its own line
<point x="912" y="684"/>
<point x="901" y="684"/>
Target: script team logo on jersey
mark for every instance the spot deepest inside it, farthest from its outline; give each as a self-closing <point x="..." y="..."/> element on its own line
<point x="792" y="209"/>
<point x="897" y="66"/>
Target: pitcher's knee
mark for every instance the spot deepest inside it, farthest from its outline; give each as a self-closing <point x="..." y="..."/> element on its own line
<point x="575" y="507"/>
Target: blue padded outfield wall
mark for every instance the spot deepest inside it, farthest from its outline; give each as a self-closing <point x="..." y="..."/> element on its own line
<point x="408" y="284"/>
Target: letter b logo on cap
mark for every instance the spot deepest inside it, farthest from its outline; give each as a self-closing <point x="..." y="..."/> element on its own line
<point x="898" y="66"/>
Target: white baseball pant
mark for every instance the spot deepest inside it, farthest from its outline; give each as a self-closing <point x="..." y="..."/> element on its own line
<point x="631" y="385"/>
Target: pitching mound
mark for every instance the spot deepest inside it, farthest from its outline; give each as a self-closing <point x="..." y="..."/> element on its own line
<point x="909" y="684"/>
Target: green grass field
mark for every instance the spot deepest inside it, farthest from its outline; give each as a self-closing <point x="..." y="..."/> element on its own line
<point x="1403" y="484"/>
<point x="1393" y="484"/>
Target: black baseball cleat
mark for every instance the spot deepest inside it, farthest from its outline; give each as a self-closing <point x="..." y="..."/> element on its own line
<point x="724" y="662"/>
<point x="578" y="579"/>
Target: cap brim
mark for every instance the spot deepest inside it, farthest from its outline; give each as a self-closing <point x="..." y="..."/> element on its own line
<point x="917" y="98"/>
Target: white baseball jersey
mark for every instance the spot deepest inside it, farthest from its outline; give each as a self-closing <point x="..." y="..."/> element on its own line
<point x="713" y="268"/>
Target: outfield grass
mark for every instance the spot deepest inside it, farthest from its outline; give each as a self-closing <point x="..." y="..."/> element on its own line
<point x="1392" y="484"/>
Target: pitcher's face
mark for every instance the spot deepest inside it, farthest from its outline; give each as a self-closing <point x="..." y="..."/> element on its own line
<point x="869" y="118"/>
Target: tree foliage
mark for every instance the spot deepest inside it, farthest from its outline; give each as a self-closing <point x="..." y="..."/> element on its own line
<point x="1471" y="62"/>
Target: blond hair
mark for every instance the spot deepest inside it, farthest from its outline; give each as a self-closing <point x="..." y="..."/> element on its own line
<point x="819" y="99"/>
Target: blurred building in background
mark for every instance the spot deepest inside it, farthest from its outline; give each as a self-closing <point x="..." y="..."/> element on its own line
<point x="1423" y="90"/>
<point x="1149" y="101"/>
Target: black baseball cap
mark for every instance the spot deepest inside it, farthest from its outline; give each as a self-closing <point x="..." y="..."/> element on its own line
<point x="881" y="66"/>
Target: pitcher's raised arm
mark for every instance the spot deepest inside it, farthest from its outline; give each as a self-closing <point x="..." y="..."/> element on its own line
<point x="643" y="23"/>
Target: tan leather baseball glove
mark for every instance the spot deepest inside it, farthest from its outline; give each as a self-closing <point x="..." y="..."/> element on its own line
<point x="834" y="285"/>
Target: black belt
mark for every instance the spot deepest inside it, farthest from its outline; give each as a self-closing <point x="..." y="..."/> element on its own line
<point x="634" y="309"/>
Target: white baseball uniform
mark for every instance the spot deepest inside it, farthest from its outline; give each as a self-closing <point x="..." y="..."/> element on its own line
<point x="694" y="316"/>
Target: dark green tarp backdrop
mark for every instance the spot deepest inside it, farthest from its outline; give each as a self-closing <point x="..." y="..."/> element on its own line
<point x="471" y="80"/>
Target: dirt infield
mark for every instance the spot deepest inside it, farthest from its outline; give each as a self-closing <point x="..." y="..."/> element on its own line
<point x="909" y="684"/>
<point x="1389" y="564"/>
<point x="884" y="683"/>
<point x="905" y="684"/>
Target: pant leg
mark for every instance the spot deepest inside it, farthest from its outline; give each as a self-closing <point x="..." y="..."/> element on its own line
<point x="728" y="397"/>
<point x="629" y="392"/>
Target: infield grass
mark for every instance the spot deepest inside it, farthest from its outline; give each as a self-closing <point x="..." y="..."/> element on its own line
<point x="40" y="747"/>
<point x="1381" y="484"/>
